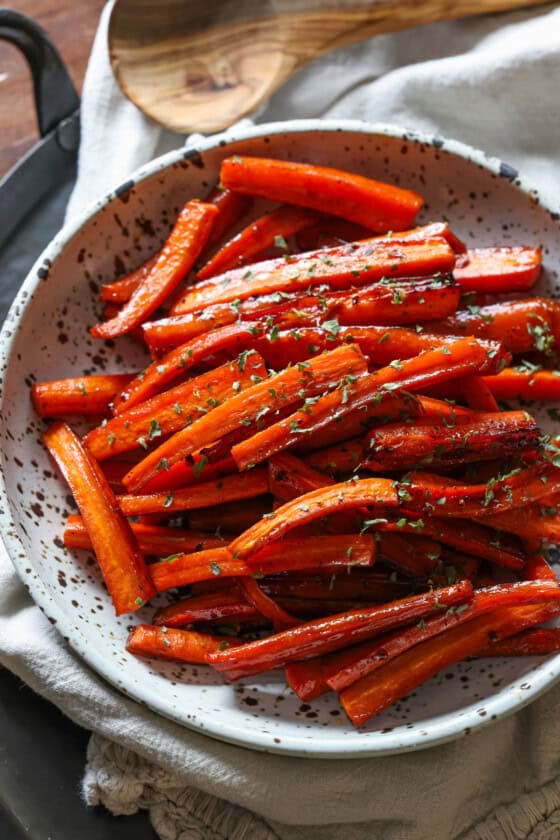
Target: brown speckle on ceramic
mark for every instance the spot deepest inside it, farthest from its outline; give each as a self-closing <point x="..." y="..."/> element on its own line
<point x="45" y="337"/>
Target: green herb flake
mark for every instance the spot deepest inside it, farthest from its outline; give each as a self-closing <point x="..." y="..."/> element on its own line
<point x="155" y="430"/>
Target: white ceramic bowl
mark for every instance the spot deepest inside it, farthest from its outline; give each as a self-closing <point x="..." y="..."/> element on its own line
<point x="45" y="337"/>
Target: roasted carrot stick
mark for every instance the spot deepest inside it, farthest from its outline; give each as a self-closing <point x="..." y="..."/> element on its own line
<point x="416" y="556"/>
<point x="383" y="303"/>
<point x="409" y="374"/>
<point x="208" y="493"/>
<point x="323" y="636"/>
<point x="341" y="267"/>
<point x="375" y="692"/>
<point x="306" y="679"/>
<point x="176" y="645"/>
<point x="393" y="303"/>
<point x="267" y="607"/>
<point x="166" y="413"/>
<point x="235" y="338"/>
<point x="312" y="506"/>
<point x="425" y="442"/>
<point x="344" y="668"/>
<point x="275" y="392"/>
<point x="498" y="269"/>
<point x="121" y="290"/>
<point x="433" y="494"/>
<point x="358" y="586"/>
<point x="210" y="606"/>
<point x="231" y="518"/>
<point x="257" y="237"/>
<point x="462" y="535"/>
<point x="331" y="231"/>
<point x="231" y="208"/>
<point x="115" y="546"/>
<point x="190" y="471"/>
<point x="85" y="395"/>
<point x="187" y="239"/>
<point x="340" y="459"/>
<point x="373" y="204"/>
<point x="328" y="554"/>
<point x="540" y="520"/>
<point x="478" y="395"/>
<point x="520" y="325"/>
<point x="539" y="642"/>
<point x="152" y="539"/>
<point x="528" y="383"/>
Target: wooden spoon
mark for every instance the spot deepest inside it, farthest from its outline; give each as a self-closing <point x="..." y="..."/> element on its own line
<point x="200" y="65"/>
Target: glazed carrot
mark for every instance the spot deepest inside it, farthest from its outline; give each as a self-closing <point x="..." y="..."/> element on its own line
<point x="275" y="392"/>
<point x="375" y="692"/>
<point x="184" y="569"/>
<point x="232" y="518"/>
<point x="267" y="607"/>
<point x="190" y="471"/>
<point x="257" y="237"/>
<point x="121" y="290"/>
<point x="326" y="555"/>
<point x="113" y="541"/>
<point x="416" y="556"/>
<point x="85" y="395"/>
<point x="340" y="459"/>
<point x="425" y="442"/>
<point x="289" y="477"/>
<point x="373" y="204"/>
<point x="539" y="642"/>
<point x="391" y="304"/>
<point x="383" y="303"/>
<point x="152" y="539"/>
<point x="211" y="606"/>
<point x="425" y="492"/>
<point x="176" y="645"/>
<point x="178" y="255"/>
<point x="520" y="325"/>
<point x="358" y="586"/>
<point x="498" y="269"/>
<point x="166" y="413"/>
<point x="539" y="520"/>
<point x="344" y="668"/>
<point x="208" y="493"/>
<point x="528" y="383"/>
<point x="331" y="231"/>
<point x="478" y="395"/>
<point x="306" y="679"/>
<point x="234" y="338"/>
<point x="409" y="374"/>
<point x="338" y="552"/>
<point x="323" y="636"/>
<point x="312" y="506"/>
<point x="341" y="267"/>
<point x="231" y="208"/>
<point x="462" y="535"/>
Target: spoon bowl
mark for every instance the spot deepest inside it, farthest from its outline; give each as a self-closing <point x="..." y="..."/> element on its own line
<point x="194" y="66"/>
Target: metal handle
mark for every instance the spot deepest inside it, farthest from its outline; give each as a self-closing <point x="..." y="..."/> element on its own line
<point x="55" y="95"/>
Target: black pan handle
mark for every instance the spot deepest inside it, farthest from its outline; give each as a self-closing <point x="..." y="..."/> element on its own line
<point x="55" y="95"/>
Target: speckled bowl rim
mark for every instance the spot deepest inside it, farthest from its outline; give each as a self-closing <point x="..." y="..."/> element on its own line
<point x="437" y="730"/>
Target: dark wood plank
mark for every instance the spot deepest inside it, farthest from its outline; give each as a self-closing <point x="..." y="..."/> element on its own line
<point x="71" y="26"/>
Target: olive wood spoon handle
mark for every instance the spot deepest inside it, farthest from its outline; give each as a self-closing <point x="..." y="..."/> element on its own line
<point x="200" y="65"/>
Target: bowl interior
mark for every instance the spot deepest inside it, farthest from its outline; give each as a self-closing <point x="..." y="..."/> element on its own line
<point x="45" y="337"/>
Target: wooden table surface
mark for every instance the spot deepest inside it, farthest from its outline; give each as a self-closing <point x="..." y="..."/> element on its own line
<point x="71" y="24"/>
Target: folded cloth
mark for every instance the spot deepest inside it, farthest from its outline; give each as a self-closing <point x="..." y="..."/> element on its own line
<point x="490" y="81"/>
